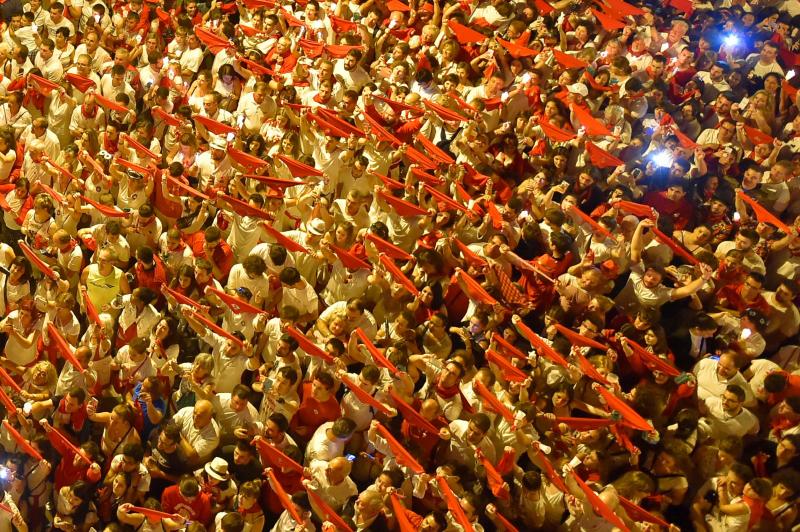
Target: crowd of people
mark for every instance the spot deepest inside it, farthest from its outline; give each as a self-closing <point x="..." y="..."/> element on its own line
<point x="374" y="266"/>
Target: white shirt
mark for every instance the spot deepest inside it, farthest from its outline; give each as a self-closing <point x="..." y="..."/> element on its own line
<point x="710" y="385"/>
<point x="204" y="440"/>
<point x="227" y="371"/>
<point x="321" y="448"/>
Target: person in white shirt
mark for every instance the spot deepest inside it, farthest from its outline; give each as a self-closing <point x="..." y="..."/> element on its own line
<point x="349" y="73"/>
<point x="714" y="375"/>
<point x="725" y="415"/>
<point x="332" y="482"/>
<point x="13" y="114"/>
<point x="300" y="294"/>
<point x="238" y="419"/>
<point x="199" y="431"/>
<point x="329" y="440"/>
<point x="47" y="61"/>
<point x="190" y="59"/>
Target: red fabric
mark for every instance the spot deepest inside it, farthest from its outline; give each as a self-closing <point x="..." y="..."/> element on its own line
<point x="110" y="104"/>
<point x="105" y="210"/>
<point x="299" y="169"/>
<point x="600" y="508"/>
<point x="81" y="83"/>
<point x="412" y="416"/>
<point x="444" y="113"/>
<point x="608" y="22"/>
<point x="22" y="443"/>
<point x="308" y="346"/>
<point x="402" y="207"/>
<point x="407" y="520"/>
<point x="36" y="261"/>
<point x="388" y="248"/>
<point x="472" y="258"/>
<point x="637" y="513"/>
<point x="379" y="357"/>
<point x="197" y="510"/>
<point x="675" y="247"/>
<point x="214" y="126"/>
<point x="594" y="127"/>
<point x="465" y="34"/>
<point x="579" y="339"/>
<point x="398" y="275"/>
<point x="273" y="457"/>
<point x="245" y="159"/>
<point x="453" y="505"/>
<point x="7" y="402"/>
<point x="350" y="261"/>
<point x="757" y="136"/>
<point x="186" y="188"/>
<point x="568" y="61"/>
<point x="474" y="290"/>
<point x="506" y="347"/>
<point x="235" y="304"/>
<point x="397" y="106"/>
<point x="494" y="404"/>
<point x="601" y="158"/>
<point x="636" y="209"/>
<point x="496" y="483"/>
<point x="516" y="50"/>
<point x="590" y="221"/>
<point x="401" y="454"/>
<point x="63" y="347"/>
<point x="652" y="361"/>
<point x="6" y="378"/>
<point x="631" y="418"/>
<point x="67" y="472"/>
<point x="91" y="311"/>
<point x="542" y="349"/>
<point x="510" y="372"/>
<point x="42" y="85"/>
<point x="435" y="152"/>
<point x="681" y="213"/>
<point x="214" y="42"/>
<point x="138" y="146"/>
<point x="365" y="397"/>
<point x="762" y="214"/>
<point x="216" y="328"/>
<point x="554" y="477"/>
<point x="554" y="133"/>
<point x="588" y="369"/>
<point x="584" y="423"/>
<point x="284" y="240"/>
<point x="341" y="25"/>
<point x="623" y="8"/>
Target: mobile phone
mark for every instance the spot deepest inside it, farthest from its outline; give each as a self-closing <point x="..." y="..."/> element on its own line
<point x="350" y="457"/>
<point x="636" y="173"/>
<point x="267" y="384"/>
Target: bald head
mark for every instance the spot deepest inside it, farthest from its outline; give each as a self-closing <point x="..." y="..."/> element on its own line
<point x="203" y="413"/>
<point x="338" y="470"/>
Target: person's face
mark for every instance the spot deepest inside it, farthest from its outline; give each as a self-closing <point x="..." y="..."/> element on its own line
<point x="56" y="15"/>
<point x="166" y="445"/>
<point x="560" y="399"/>
<point x="46" y="52"/>
<point x="429" y="524"/>
<point x="202" y="416"/>
<point x="650" y="338"/>
<point x="324" y="91"/>
<point x="237" y="403"/>
<point x="104" y="262"/>
<point x="449" y="376"/>
<point x="742" y="243"/>
<point x="783" y="295"/>
<point x="751" y="179"/>
<point x="319" y="391"/>
<point x="337" y="327"/>
<point x="474" y="434"/>
<point x="768" y="54"/>
<point x="785" y="450"/>
<point x="272" y="431"/>
<point x="651" y="278"/>
<point x="726" y="369"/>
<point x="350" y="62"/>
<point x="730" y="403"/>
<point x="751" y="288"/>
<point x="210" y="105"/>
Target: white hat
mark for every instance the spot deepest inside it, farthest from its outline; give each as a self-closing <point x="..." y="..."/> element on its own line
<point x="578" y="88"/>
<point x="218" y="143"/>
<point x="316" y="227"/>
<point x="217" y="468"/>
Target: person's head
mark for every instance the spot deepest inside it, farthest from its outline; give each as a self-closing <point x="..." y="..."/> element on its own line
<point x="322" y="386"/>
<point x="451" y="374"/>
<point x="189" y="488"/>
<point x="785" y="484"/>
<point x="769" y="53"/>
<point x="738" y="475"/>
<point x="732" y="399"/>
<point x="788" y="448"/>
<point x="169" y="439"/>
<point x="202" y="413"/>
<point x="479" y="425"/>
<point x="244" y="453"/>
<point x="74" y="400"/>
<point x="343" y="428"/>
<point x="727" y="365"/>
<point x="338" y="470"/>
<point x="275" y="427"/>
<point x="132" y="456"/>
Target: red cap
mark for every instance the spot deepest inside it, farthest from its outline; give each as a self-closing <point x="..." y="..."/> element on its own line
<point x="465" y="34"/>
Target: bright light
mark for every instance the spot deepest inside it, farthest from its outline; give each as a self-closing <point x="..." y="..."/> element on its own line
<point x="731" y="40"/>
<point x="504" y="97"/>
<point x="526" y="77"/>
<point x="737" y="216"/>
<point x="746" y="333"/>
<point x="664" y="47"/>
<point x="790" y="75"/>
<point x="662" y="159"/>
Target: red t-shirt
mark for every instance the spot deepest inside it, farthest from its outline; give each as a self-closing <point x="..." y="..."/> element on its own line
<point x="222" y="255"/>
<point x="312" y="413"/>
<point x="197" y="510"/>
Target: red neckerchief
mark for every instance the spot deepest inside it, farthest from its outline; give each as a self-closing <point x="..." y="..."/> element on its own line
<point x="255" y="509"/>
<point x="91" y="114"/>
<point x="319" y="100"/>
<point x="76" y="419"/>
<point x="109" y="145"/>
<point x="637" y="54"/>
<point x="447" y="393"/>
